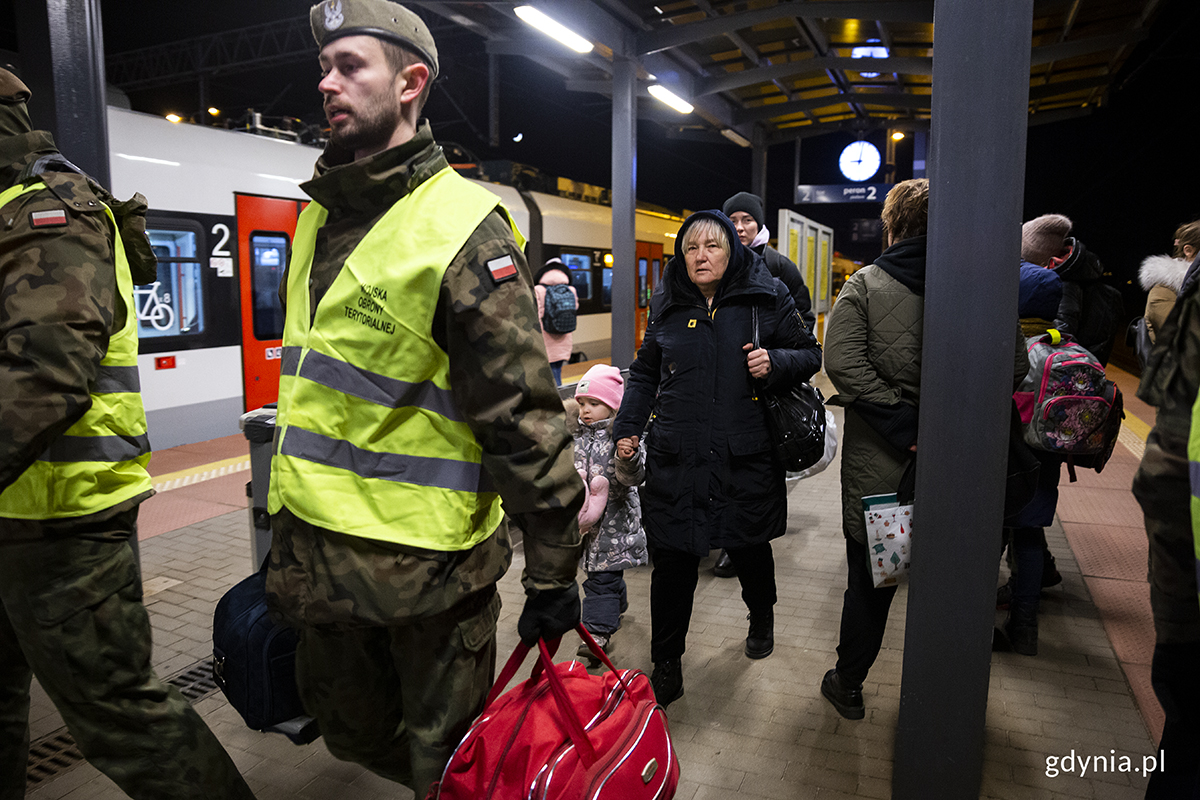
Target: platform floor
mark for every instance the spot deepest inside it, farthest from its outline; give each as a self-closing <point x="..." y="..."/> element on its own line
<point x="743" y="729"/>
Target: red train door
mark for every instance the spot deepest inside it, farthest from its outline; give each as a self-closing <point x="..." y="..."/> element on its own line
<point x="266" y="226"/>
<point x="649" y="266"/>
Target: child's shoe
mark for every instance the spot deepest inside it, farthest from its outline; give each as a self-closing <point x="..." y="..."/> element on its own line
<point x="585" y="652"/>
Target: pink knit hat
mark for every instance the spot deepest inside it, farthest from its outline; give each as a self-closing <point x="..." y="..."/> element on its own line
<point x="603" y="383"/>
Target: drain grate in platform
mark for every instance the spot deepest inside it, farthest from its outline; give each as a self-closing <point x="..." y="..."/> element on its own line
<point x="196" y="682"/>
<point x="56" y="753"/>
<point x="51" y="755"/>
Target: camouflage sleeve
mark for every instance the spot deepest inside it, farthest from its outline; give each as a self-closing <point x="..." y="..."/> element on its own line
<point x="57" y="288"/>
<point x="503" y="386"/>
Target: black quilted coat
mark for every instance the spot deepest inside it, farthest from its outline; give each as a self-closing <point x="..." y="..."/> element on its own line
<point x="711" y="478"/>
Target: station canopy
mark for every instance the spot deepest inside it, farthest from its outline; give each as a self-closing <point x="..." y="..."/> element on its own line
<point x="769" y="71"/>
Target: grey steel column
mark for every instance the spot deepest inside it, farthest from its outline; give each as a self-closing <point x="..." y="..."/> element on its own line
<point x="981" y="75"/>
<point x="795" y="171"/>
<point x="624" y="207"/>
<point x="758" y="165"/>
<point x="494" y="100"/>
<point x="62" y="57"/>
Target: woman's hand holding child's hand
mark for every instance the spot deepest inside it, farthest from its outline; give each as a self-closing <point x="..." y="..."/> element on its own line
<point x="627" y="448"/>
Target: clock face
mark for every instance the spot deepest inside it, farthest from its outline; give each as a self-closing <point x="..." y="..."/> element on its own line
<point x="859" y="161"/>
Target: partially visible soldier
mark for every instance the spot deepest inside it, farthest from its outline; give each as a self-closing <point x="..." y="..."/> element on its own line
<point x="415" y="394"/>
<point x="73" y="452"/>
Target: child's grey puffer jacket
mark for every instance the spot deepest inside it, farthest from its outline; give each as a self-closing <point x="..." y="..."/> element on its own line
<point x="617" y="541"/>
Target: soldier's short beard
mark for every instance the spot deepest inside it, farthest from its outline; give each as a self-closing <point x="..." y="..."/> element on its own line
<point x="369" y="127"/>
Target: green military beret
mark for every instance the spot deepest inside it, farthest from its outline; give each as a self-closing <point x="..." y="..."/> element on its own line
<point x="12" y="88"/>
<point x="333" y="19"/>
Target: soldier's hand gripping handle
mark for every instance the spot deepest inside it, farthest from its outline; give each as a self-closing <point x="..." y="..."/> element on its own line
<point x="548" y="614"/>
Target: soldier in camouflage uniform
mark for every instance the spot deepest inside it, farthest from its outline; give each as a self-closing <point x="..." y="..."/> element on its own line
<point x="397" y="642"/>
<point x="70" y="597"/>
<point x="1171" y="383"/>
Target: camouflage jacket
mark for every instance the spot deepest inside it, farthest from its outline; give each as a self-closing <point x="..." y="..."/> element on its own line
<point x="59" y="300"/>
<point x="500" y="378"/>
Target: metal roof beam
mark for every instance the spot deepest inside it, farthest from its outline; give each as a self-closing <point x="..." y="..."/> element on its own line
<point x="654" y="41"/>
<point x="889" y="99"/>
<point x="848" y="125"/>
<point x="910" y="65"/>
<point x="1083" y="47"/>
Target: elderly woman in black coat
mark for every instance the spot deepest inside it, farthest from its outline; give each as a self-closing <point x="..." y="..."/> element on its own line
<point x="711" y="477"/>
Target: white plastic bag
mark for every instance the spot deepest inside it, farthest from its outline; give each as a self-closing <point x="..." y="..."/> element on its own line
<point x="830" y="451"/>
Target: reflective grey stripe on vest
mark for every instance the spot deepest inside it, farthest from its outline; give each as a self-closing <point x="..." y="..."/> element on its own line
<point x="111" y="380"/>
<point x="289" y="359"/>
<point x="1194" y="479"/>
<point x="442" y="473"/>
<point x="375" y="388"/>
<point x="97" y="448"/>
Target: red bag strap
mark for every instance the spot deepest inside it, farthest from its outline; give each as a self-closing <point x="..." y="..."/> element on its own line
<point x="575" y="730"/>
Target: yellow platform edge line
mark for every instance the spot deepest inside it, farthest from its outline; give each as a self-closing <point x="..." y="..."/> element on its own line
<point x="1136" y="426"/>
<point x="185" y="473"/>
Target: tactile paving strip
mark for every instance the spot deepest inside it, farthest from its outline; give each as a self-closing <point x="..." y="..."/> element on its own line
<point x="1109" y="551"/>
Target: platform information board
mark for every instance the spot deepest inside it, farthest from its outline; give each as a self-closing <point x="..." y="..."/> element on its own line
<point x="842" y="192"/>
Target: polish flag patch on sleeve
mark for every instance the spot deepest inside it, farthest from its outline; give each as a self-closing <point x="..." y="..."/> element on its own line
<point x="47" y="219"/>
<point x="502" y="269"/>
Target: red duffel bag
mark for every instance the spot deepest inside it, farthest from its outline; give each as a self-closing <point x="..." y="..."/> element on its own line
<point x="565" y="734"/>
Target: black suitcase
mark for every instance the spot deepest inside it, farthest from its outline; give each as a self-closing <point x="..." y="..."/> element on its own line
<point x="254" y="662"/>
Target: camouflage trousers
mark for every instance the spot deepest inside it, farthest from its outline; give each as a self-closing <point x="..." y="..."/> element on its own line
<point x="1161" y="487"/>
<point x="71" y="614"/>
<point x="398" y="699"/>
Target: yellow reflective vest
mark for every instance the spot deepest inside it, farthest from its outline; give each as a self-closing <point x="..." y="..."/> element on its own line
<point x="370" y="442"/>
<point x="101" y="460"/>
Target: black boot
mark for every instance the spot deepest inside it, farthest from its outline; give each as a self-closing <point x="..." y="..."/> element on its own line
<point x="724" y="566"/>
<point x="1022" y="630"/>
<point x="760" y="642"/>
<point x="848" y="700"/>
<point x="667" y="681"/>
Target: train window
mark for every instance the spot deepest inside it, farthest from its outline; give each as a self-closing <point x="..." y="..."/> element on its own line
<point x="657" y="271"/>
<point x="173" y="305"/>
<point x="606" y="287"/>
<point x="581" y="273"/>
<point x="643" y="291"/>
<point x="268" y="257"/>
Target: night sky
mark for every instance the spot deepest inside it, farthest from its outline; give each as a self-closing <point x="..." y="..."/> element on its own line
<point x="1125" y="174"/>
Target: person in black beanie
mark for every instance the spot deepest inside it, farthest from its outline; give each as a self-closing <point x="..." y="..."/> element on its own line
<point x="746" y="212"/>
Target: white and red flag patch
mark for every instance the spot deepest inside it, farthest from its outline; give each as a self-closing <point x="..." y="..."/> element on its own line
<point x="44" y="219"/>
<point x="502" y="268"/>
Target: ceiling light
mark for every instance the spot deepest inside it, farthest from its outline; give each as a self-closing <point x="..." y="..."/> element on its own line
<point x="555" y="30"/>
<point x="735" y="137"/>
<point x="869" y="52"/>
<point x="518" y="137"/>
<point x="214" y="110"/>
<point x="897" y="135"/>
<point x="296" y="181"/>
<point x="665" y="95"/>
<point x="174" y="118"/>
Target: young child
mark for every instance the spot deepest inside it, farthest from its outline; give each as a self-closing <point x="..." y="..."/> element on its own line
<point x="611" y="517"/>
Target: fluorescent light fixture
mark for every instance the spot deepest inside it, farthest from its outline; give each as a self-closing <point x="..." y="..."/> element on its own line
<point x="665" y="95"/>
<point x="869" y="52"/>
<point x="555" y="30"/>
<point x="735" y="137"/>
<point x="296" y="181"/>
<point x="149" y="160"/>
<point x="897" y="135"/>
<point x="173" y="118"/>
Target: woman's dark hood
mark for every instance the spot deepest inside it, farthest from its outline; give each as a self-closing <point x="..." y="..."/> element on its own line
<point x="746" y="270"/>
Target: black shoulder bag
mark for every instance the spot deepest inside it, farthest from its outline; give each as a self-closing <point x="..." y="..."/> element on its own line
<point x="795" y="419"/>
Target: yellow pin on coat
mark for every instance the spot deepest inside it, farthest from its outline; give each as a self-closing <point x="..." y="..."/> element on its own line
<point x="691" y="323"/>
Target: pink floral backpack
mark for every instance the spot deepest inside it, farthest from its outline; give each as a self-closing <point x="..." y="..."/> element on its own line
<point x="1067" y="404"/>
